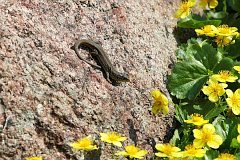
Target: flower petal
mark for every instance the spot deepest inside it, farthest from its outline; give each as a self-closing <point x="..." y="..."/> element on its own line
<point x="197" y="134"/>
<point x="209" y="128"/>
<point x="159" y="154"/>
<point x="118" y="144"/>
<point x="160" y="147"/>
<point x="229" y="92"/>
<point x="238" y="138"/>
<point x="155" y="93"/>
<point x="198" y="143"/>
<point x="216" y="142"/>
<point x="122" y="153"/>
<point x="238" y="128"/>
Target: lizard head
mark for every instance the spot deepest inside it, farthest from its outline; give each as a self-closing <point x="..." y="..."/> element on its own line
<point x="122" y="77"/>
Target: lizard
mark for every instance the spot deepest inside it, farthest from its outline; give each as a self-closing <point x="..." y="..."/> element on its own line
<point x="105" y="64"/>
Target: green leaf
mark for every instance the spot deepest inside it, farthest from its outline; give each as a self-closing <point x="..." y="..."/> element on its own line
<point x="237" y="155"/>
<point x="191" y="74"/>
<point x="196" y="22"/>
<point x="227" y="129"/>
<point x="214" y="110"/>
<point x="216" y="15"/>
<point x="180" y="114"/>
<point x="234" y="143"/>
<point x="211" y="154"/>
<point x="184" y="51"/>
<point x="233" y="49"/>
<point x="206" y="108"/>
<point x="224" y="64"/>
<point x="221" y="127"/>
<point x="235" y="4"/>
<point x="175" y="138"/>
<point x="187" y="79"/>
<point x="206" y="54"/>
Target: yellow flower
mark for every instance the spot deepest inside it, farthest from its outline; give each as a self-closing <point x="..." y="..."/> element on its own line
<point x="34" y="158"/>
<point x="224" y="41"/>
<point x="113" y="137"/>
<point x="168" y="150"/>
<point x="84" y="144"/>
<point x="185" y="9"/>
<point x="224" y="76"/>
<point x="160" y="102"/>
<point x="210" y="3"/>
<point x="237" y="68"/>
<point x="206" y="136"/>
<point x="208" y="30"/>
<point x="238" y="137"/>
<point x="233" y="100"/>
<point x="224" y="30"/>
<point x="225" y="156"/>
<point x="191" y="151"/>
<point x="214" y="90"/>
<point x="197" y="120"/>
<point x="132" y="152"/>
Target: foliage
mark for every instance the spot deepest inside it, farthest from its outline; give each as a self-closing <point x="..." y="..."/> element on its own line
<point x="203" y="64"/>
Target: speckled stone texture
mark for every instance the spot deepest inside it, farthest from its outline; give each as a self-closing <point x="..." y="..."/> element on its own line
<point x="51" y="97"/>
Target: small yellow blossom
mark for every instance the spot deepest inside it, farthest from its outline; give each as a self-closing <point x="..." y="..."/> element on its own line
<point x="237" y="68"/>
<point x="34" y="158"/>
<point x="191" y="152"/>
<point x="214" y="90"/>
<point x="208" y="3"/>
<point x="224" y="41"/>
<point x="238" y="137"/>
<point x="233" y="100"/>
<point x="185" y="9"/>
<point x="226" y="156"/>
<point x="224" y="30"/>
<point x="113" y="138"/>
<point x="197" y="120"/>
<point x="168" y="150"/>
<point x="208" y="30"/>
<point x="84" y="144"/>
<point x="224" y="76"/>
<point x="206" y="136"/>
<point x="132" y="152"/>
<point x="160" y="102"/>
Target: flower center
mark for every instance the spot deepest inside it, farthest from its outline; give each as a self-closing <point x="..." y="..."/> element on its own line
<point x="224" y="29"/>
<point x="207" y="136"/>
<point x="168" y="150"/>
<point x="113" y="137"/>
<point x="85" y="143"/>
<point x="185" y="7"/>
<point x="225" y="74"/>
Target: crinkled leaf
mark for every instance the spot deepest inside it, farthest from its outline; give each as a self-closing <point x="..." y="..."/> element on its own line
<point x="187" y="79"/>
<point x="184" y="51"/>
<point x="206" y="54"/>
<point x="189" y="75"/>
